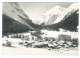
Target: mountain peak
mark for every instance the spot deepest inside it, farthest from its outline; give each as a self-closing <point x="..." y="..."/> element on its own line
<point x="56" y="8"/>
<point x="57" y="13"/>
<point x="50" y="16"/>
<point x="74" y="6"/>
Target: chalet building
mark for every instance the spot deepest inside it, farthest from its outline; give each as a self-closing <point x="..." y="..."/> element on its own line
<point x="64" y="37"/>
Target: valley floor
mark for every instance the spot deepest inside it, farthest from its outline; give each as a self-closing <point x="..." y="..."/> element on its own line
<point x="38" y="52"/>
<point x="18" y="50"/>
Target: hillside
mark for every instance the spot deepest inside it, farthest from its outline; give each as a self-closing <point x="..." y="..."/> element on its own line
<point x="15" y="20"/>
<point x="68" y="23"/>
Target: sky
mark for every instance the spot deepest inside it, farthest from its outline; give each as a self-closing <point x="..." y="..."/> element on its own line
<point x="35" y="9"/>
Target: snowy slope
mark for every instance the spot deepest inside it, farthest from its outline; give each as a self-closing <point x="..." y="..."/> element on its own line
<point x="14" y="11"/>
<point x="57" y="14"/>
<point x="50" y="16"/>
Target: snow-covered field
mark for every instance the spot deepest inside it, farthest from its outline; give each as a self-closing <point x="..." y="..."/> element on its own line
<point x="22" y="50"/>
<point x="55" y="34"/>
<point x="38" y="52"/>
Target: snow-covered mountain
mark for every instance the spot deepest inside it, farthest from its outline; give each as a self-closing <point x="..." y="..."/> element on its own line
<point x="50" y="16"/>
<point x="57" y="14"/>
<point x="68" y="11"/>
